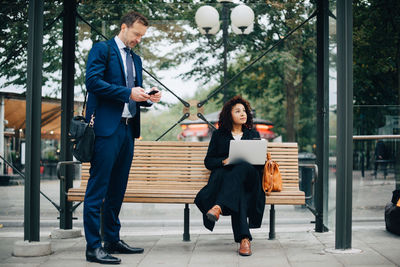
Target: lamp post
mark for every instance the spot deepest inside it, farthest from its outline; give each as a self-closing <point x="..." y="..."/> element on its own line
<point x="242" y="18"/>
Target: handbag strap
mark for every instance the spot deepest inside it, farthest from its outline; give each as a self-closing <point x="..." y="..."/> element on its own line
<point x="86" y="92"/>
<point x="84" y="104"/>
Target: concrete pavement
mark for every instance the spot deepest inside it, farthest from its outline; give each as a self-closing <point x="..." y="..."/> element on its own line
<point x="159" y="227"/>
<point x="301" y="248"/>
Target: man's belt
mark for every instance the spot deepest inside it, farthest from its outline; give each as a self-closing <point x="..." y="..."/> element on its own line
<point x="126" y="121"/>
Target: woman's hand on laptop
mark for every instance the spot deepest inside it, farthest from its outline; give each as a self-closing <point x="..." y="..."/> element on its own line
<point x="225" y="161"/>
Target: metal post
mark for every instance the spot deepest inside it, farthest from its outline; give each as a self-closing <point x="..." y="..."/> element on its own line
<point x="225" y="20"/>
<point x="272" y="222"/>
<point x="321" y="184"/>
<point x="186" y="223"/>
<point x="344" y="158"/>
<point x="33" y="120"/>
<point x="67" y="109"/>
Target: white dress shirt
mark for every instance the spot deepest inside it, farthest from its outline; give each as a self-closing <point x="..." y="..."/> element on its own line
<point x="121" y="46"/>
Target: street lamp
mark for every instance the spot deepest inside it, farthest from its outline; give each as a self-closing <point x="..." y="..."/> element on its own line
<point x="242" y="18"/>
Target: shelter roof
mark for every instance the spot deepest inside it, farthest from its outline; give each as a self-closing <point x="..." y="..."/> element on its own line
<point x="15" y="114"/>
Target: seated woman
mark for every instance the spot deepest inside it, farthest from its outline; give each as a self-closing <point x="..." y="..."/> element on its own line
<point x="233" y="189"/>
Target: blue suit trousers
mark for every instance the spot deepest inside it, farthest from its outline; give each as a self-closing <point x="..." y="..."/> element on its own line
<point x="109" y="173"/>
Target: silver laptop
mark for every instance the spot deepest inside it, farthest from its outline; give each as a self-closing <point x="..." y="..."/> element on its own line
<point x="252" y="151"/>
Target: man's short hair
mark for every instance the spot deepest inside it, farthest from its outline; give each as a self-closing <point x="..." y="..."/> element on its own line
<point x="133" y="16"/>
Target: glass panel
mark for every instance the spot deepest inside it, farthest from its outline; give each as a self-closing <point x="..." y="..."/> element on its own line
<point x="376" y="110"/>
<point x="376" y="146"/>
<point x="376" y="170"/>
<point x="330" y="194"/>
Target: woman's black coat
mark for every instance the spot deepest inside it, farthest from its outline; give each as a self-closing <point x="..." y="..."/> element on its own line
<point x="218" y="150"/>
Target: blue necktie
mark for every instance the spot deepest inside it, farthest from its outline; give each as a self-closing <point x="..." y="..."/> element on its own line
<point x="130" y="79"/>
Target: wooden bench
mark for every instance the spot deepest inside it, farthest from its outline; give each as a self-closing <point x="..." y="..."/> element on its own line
<point x="174" y="172"/>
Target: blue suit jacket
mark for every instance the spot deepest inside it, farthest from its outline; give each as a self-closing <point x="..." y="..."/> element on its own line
<point x="107" y="91"/>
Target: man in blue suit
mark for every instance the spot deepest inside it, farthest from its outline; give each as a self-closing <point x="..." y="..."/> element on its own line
<point x="114" y="82"/>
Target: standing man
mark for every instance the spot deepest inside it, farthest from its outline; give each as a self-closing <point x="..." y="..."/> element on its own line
<point x="114" y="82"/>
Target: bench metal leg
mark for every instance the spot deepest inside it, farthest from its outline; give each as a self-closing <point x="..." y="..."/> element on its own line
<point x="186" y="235"/>
<point x="272" y="222"/>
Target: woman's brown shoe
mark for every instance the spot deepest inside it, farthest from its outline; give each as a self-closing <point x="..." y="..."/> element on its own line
<point x="213" y="213"/>
<point x="245" y="247"/>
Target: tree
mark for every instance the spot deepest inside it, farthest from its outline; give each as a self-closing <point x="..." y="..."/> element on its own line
<point x="14" y="36"/>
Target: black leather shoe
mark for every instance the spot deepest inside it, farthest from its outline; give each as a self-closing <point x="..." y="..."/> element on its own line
<point x="121" y="247"/>
<point x="100" y="256"/>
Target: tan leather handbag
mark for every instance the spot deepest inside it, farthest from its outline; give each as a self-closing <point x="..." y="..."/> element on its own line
<point x="272" y="179"/>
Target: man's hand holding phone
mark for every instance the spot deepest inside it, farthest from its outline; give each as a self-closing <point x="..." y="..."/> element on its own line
<point x="138" y="94"/>
<point x="152" y="92"/>
<point x="155" y="95"/>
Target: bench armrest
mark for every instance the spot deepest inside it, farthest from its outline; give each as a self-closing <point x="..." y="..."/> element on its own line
<point x="310" y="165"/>
<point x="61" y="163"/>
<point x="315" y="167"/>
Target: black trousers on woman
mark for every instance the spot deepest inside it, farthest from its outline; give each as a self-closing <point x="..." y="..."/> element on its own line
<point x="237" y="190"/>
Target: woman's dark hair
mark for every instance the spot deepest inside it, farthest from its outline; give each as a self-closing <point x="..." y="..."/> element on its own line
<point x="132" y="17"/>
<point x="225" y="117"/>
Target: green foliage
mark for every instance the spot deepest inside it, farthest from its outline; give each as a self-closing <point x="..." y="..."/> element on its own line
<point x="14" y="36"/>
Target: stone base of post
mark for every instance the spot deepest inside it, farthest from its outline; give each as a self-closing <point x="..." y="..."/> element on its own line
<point x="343" y="251"/>
<point x="64" y="234"/>
<point x="31" y="249"/>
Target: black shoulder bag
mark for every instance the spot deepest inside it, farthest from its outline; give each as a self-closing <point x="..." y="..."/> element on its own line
<point x="82" y="136"/>
<point x="81" y="133"/>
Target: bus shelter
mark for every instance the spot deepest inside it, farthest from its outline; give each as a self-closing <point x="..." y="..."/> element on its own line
<point x="344" y="116"/>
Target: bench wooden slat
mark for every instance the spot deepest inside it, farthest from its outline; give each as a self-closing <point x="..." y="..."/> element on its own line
<point x="172" y="144"/>
<point x="187" y="198"/>
<point x="151" y="170"/>
<point x="172" y="177"/>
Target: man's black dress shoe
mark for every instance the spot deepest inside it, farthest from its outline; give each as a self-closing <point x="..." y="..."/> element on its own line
<point x="121" y="247"/>
<point x="100" y="256"/>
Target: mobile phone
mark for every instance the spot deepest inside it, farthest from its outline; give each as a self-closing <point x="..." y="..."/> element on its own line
<point x="152" y="92"/>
